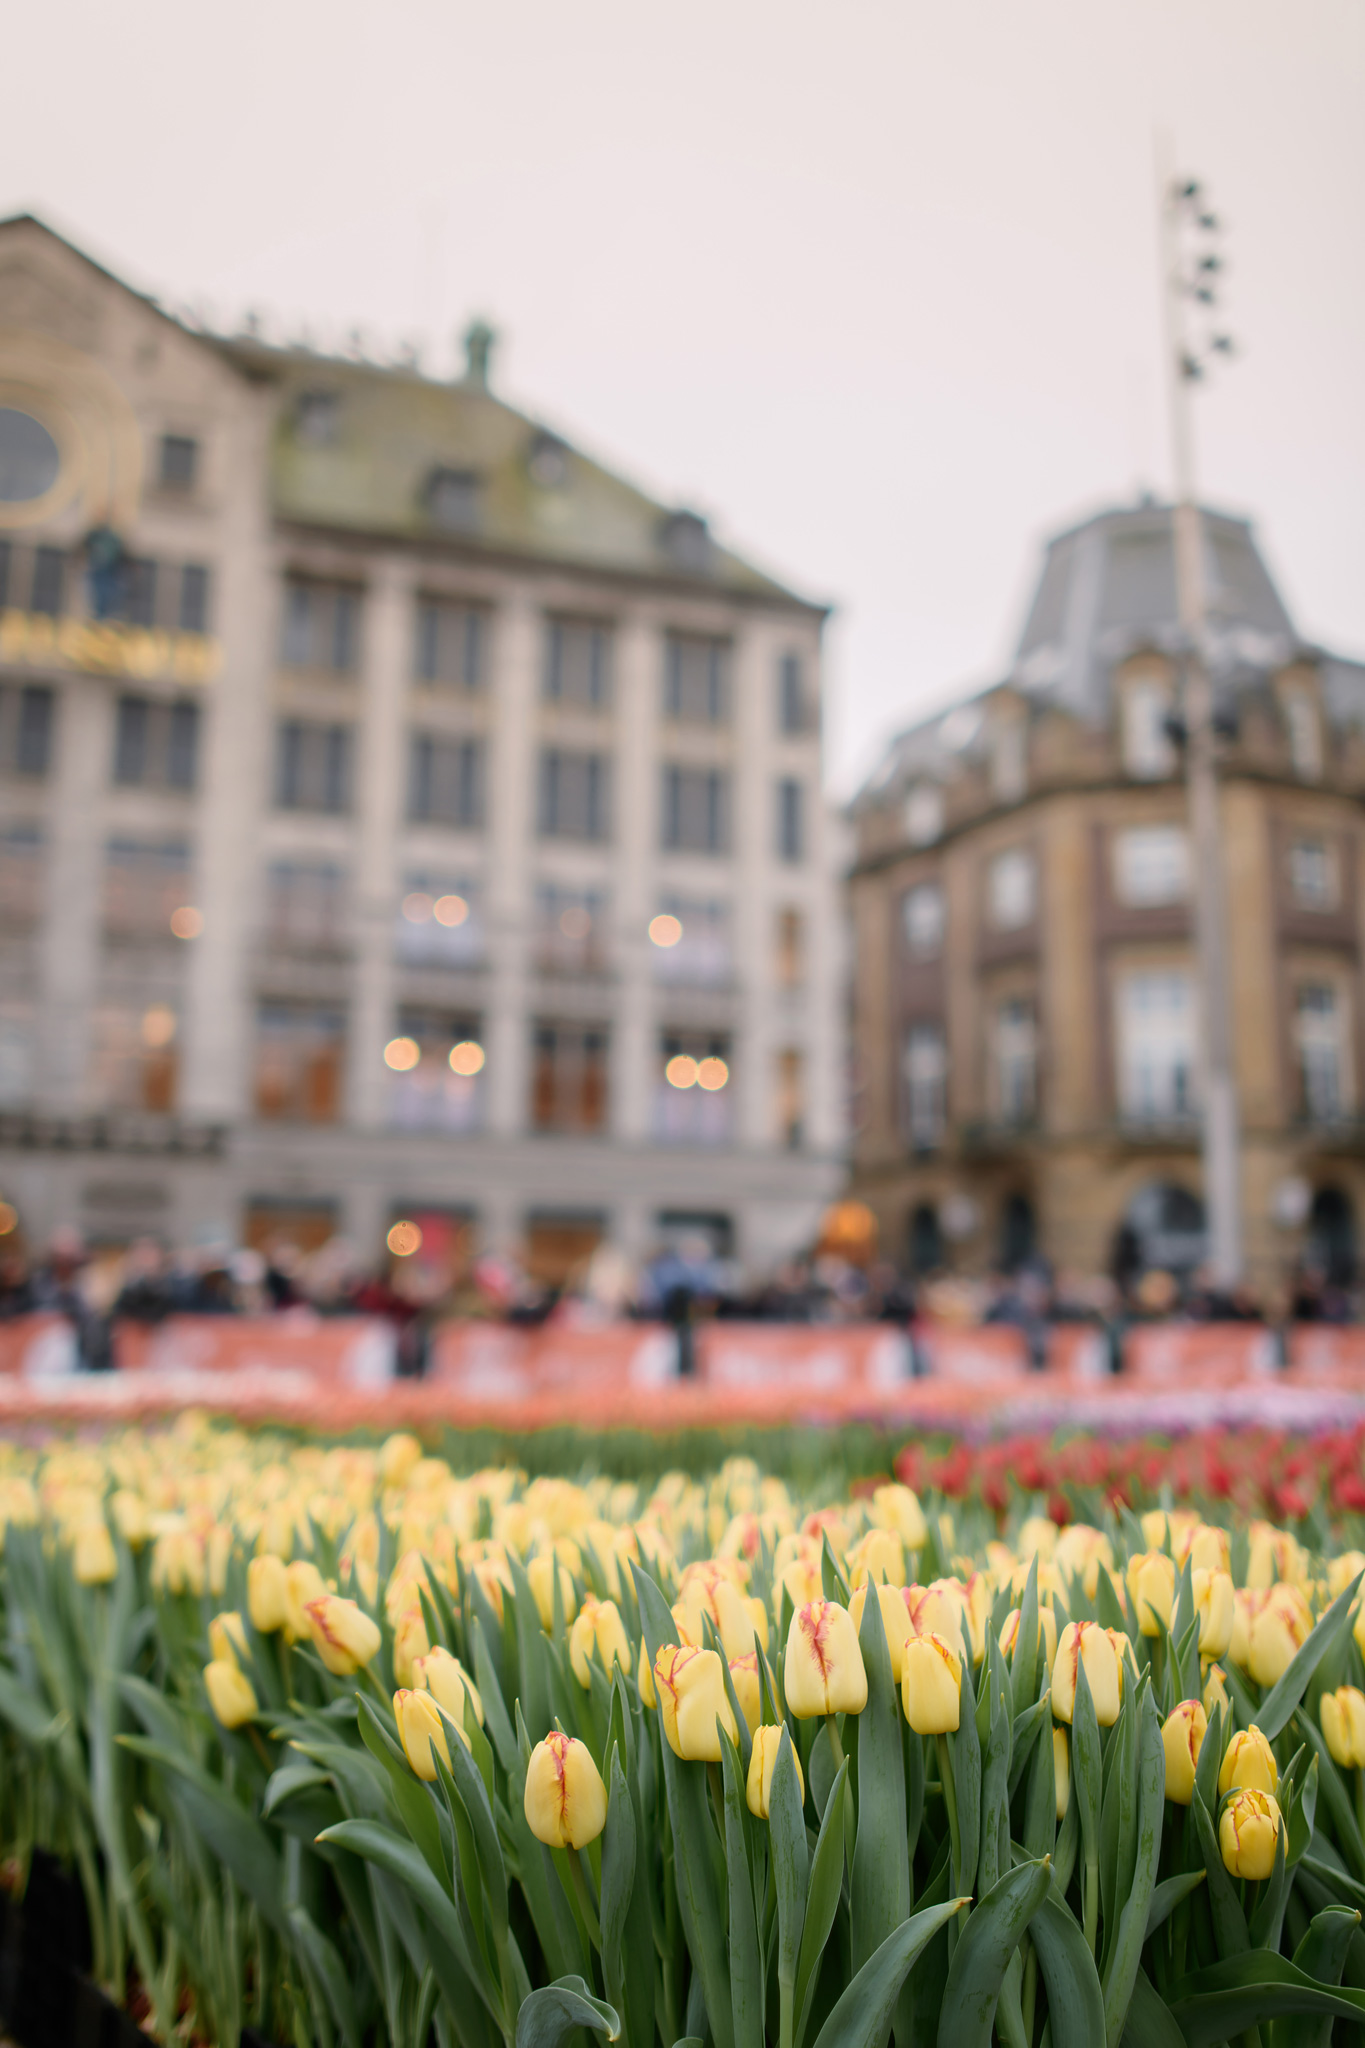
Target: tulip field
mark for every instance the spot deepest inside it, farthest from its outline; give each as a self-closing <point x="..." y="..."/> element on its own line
<point x="345" y="1745"/>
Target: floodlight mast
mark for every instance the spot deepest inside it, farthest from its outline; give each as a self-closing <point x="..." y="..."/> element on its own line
<point x="1190" y="270"/>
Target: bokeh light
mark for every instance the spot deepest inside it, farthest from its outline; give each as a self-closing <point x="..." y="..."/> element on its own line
<point x="158" y="1025"/>
<point x="681" y="1071"/>
<point x="449" y="910"/>
<point x="187" y="922"/>
<point x="712" y="1074"/>
<point x="402" y="1054"/>
<point x="665" y="930"/>
<point x="9" y="1217"/>
<point x="417" y="907"/>
<point x="467" y="1057"/>
<point x="404" y="1239"/>
<point x="575" y="922"/>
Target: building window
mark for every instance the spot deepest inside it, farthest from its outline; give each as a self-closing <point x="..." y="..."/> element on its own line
<point x="690" y="942"/>
<point x="452" y="499"/>
<point x="696" y="810"/>
<point x="923" y="918"/>
<point x="791" y="819"/>
<point x="571" y="930"/>
<point x="145" y="884"/>
<point x="1321" y="1042"/>
<point x="696" y="680"/>
<point x="693" y="1096"/>
<point x="1157" y="1040"/>
<point x="791" y="947"/>
<point x="156" y="745"/>
<point x="436" y="1066"/>
<point x="305" y="906"/>
<point x="924" y="813"/>
<point x="445" y="781"/>
<point x="1009" y="758"/>
<point x="321" y="627"/>
<point x="1148" y="753"/>
<point x="577" y="664"/>
<point x="791" y="1098"/>
<point x="569" y="1077"/>
<point x="134" y="1057"/>
<point x="440" y="921"/>
<point x="575" y="795"/>
<point x="16" y="1054"/>
<point x="313" y="767"/>
<point x="1312" y="875"/>
<point x="21" y="876"/>
<point x="792" y="713"/>
<point x="1012" y="890"/>
<point x="135" y="603"/>
<point x="450" y="643"/>
<point x="179" y="462"/>
<point x="926" y="1086"/>
<point x="194" y="598"/>
<point x="1305" y="733"/>
<point x="300" y="1054"/>
<point x="317" y="418"/>
<point x="1151" y="865"/>
<point x="48" y="593"/>
<point x="1016" y="1061"/>
<point x="26" y="720"/>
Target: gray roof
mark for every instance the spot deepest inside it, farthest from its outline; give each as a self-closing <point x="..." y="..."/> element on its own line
<point x="1108" y="590"/>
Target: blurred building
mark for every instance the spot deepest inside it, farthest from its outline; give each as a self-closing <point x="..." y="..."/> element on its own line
<point x="1027" y="1015"/>
<point x="403" y="816"/>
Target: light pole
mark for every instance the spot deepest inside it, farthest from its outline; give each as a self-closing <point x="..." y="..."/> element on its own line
<point x="1192" y="266"/>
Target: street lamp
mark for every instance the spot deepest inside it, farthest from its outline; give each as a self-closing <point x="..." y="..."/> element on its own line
<point x="1192" y="267"/>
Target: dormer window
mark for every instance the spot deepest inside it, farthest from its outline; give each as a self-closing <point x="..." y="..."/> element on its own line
<point x="1305" y="732"/>
<point x="1009" y="758"/>
<point x="686" y="539"/>
<point x="317" y="418"/>
<point x="924" y="813"/>
<point x="179" y="468"/>
<point x="452" y="499"/>
<point x="547" y="462"/>
<point x="1148" y="753"/>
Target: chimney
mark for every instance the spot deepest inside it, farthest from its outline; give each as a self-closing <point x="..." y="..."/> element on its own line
<point x="479" y="339"/>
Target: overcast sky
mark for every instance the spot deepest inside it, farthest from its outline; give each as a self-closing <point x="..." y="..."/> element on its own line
<point x="872" y="284"/>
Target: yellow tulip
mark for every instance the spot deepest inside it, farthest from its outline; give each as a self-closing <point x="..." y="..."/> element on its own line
<point x="1085" y="1642"/>
<point x="131" y="1517"/>
<point x="801" y="1578"/>
<point x="566" y="1801"/>
<point x="230" y="1693"/>
<point x="343" y="1634"/>
<point x="93" y="1560"/>
<point x="398" y="1457"/>
<point x="645" y="1679"/>
<point x="895" y="1620"/>
<point x="1151" y="1588"/>
<point x="1216" y="1691"/>
<point x="599" y="1626"/>
<point x="937" y="1610"/>
<point x="691" y="1690"/>
<point x="878" y="1555"/>
<point x="303" y="1582"/>
<point x="1342" y="1714"/>
<point x="1061" y="1770"/>
<point x="267" y="1594"/>
<point x="410" y="1641"/>
<point x="931" y="1685"/>
<point x="897" y="1507"/>
<point x="449" y="1684"/>
<point x="1047" y="1633"/>
<point x="1038" y="1537"/>
<point x="762" y="1763"/>
<point x="823" y="1673"/>
<point x="227" y="1638"/>
<point x="1281" y="1627"/>
<point x="1275" y="1556"/>
<point x="1248" y="1764"/>
<point x="1207" y="1547"/>
<point x="420" y="1729"/>
<point x="1081" y="1552"/>
<point x="541" y="1572"/>
<point x="1216" y="1606"/>
<point x="1341" y="1570"/>
<point x="1249" y="1833"/>
<point x="1182" y="1738"/>
<point x="744" y="1678"/>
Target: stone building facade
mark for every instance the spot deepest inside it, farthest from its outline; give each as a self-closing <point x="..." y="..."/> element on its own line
<point x="401" y="816"/>
<point x="1026" y="1012"/>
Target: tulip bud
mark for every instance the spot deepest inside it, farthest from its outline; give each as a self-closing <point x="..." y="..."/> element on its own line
<point x="541" y="1572"/>
<point x="801" y="1578"/>
<point x="976" y="1613"/>
<point x="1047" y="1633"/>
<point x="1209" y="1549"/>
<point x="1216" y="1606"/>
<point x="93" y="1560"/>
<point x="1248" y="1764"/>
<point x="398" y="1457"/>
<point x="1340" y="1570"/>
<point x="879" y="1556"/>
<point x="931" y="1685"/>
<point x="895" y="1620"/>
<point x="1151" y="1588"/>
<point x="1182" y="1738"/>
<point x="230" y="1693"/>
<point x="1342" y="1714"/>
<point x="566" y="1801"/>
<point x="1281" y="1628"/>
<point x="227" y="1638"/>
<point x="758" y="1787"/>
<point x="645" y="1679"/>
<point x="691" y="1690"/>
<point x="597" y="1626"/>
<point x="744" y="1678"/>
<point x="410" y="1641"/>
<point x="342" y="1633"/>
<point x="898" y="1508"/>
<point x="1061" y="1770"/>
<point x="937" y="1610"/>
<point x="1086" y="1642"/>
<point x="1249" y="1833"/>
<point x="420" y="1729"/>
<point x="131" y="1517"/>
<point x="1216" y="1691"/>
<point x="267" y="1594"/>
<point x="824" y="1671"/>
<point x="302" y="1582"/>
<point x="449" y="1684"/>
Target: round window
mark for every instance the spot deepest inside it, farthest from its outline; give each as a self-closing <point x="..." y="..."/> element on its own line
<point x="29" y="457"/>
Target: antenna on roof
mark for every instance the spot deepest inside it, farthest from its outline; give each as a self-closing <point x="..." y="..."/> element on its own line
<point x="479" y="342"/>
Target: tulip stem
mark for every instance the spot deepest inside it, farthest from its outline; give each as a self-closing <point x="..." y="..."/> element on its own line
<point x="1360" y="1800"/>
<point x="945" y="1771"/>
<point x="583" y="1893"/>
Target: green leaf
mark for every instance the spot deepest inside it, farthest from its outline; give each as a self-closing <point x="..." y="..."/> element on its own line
<point x="618" y="1878"/>
<point x="965" y="1750"/>
<point x="1280" y="1702"/>
<point x="862" y="2015"/>
<point x="326" y="1966"/>
<point x="787" y="1840"/>
<point x="822" y="1897"/>
<point x="1040" y="1809"/>
<point x="1149" y="2023"/>
<point x="1028" y="1727"/>
<point x="376" y="1843"/>
<point x="556" y="2009"/>
<point x="1075" y="2002"/>
<point x="992" y="1933"/>
<point x="1168" y="1896"/>
<point x="1229" y="1921"/>
<point x="1240" y="1991"/>
<point x="880" y="1886"/>
<point x="1125" y="1949"/>
<point x="1321" y="1955"/>
<point x="230" y="1832"/>
<point x="746" y="1976"/>
<point x="416" y="1809"/>
<point x="1335" y="1796"/>
<point x="1024" y="1661"/>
